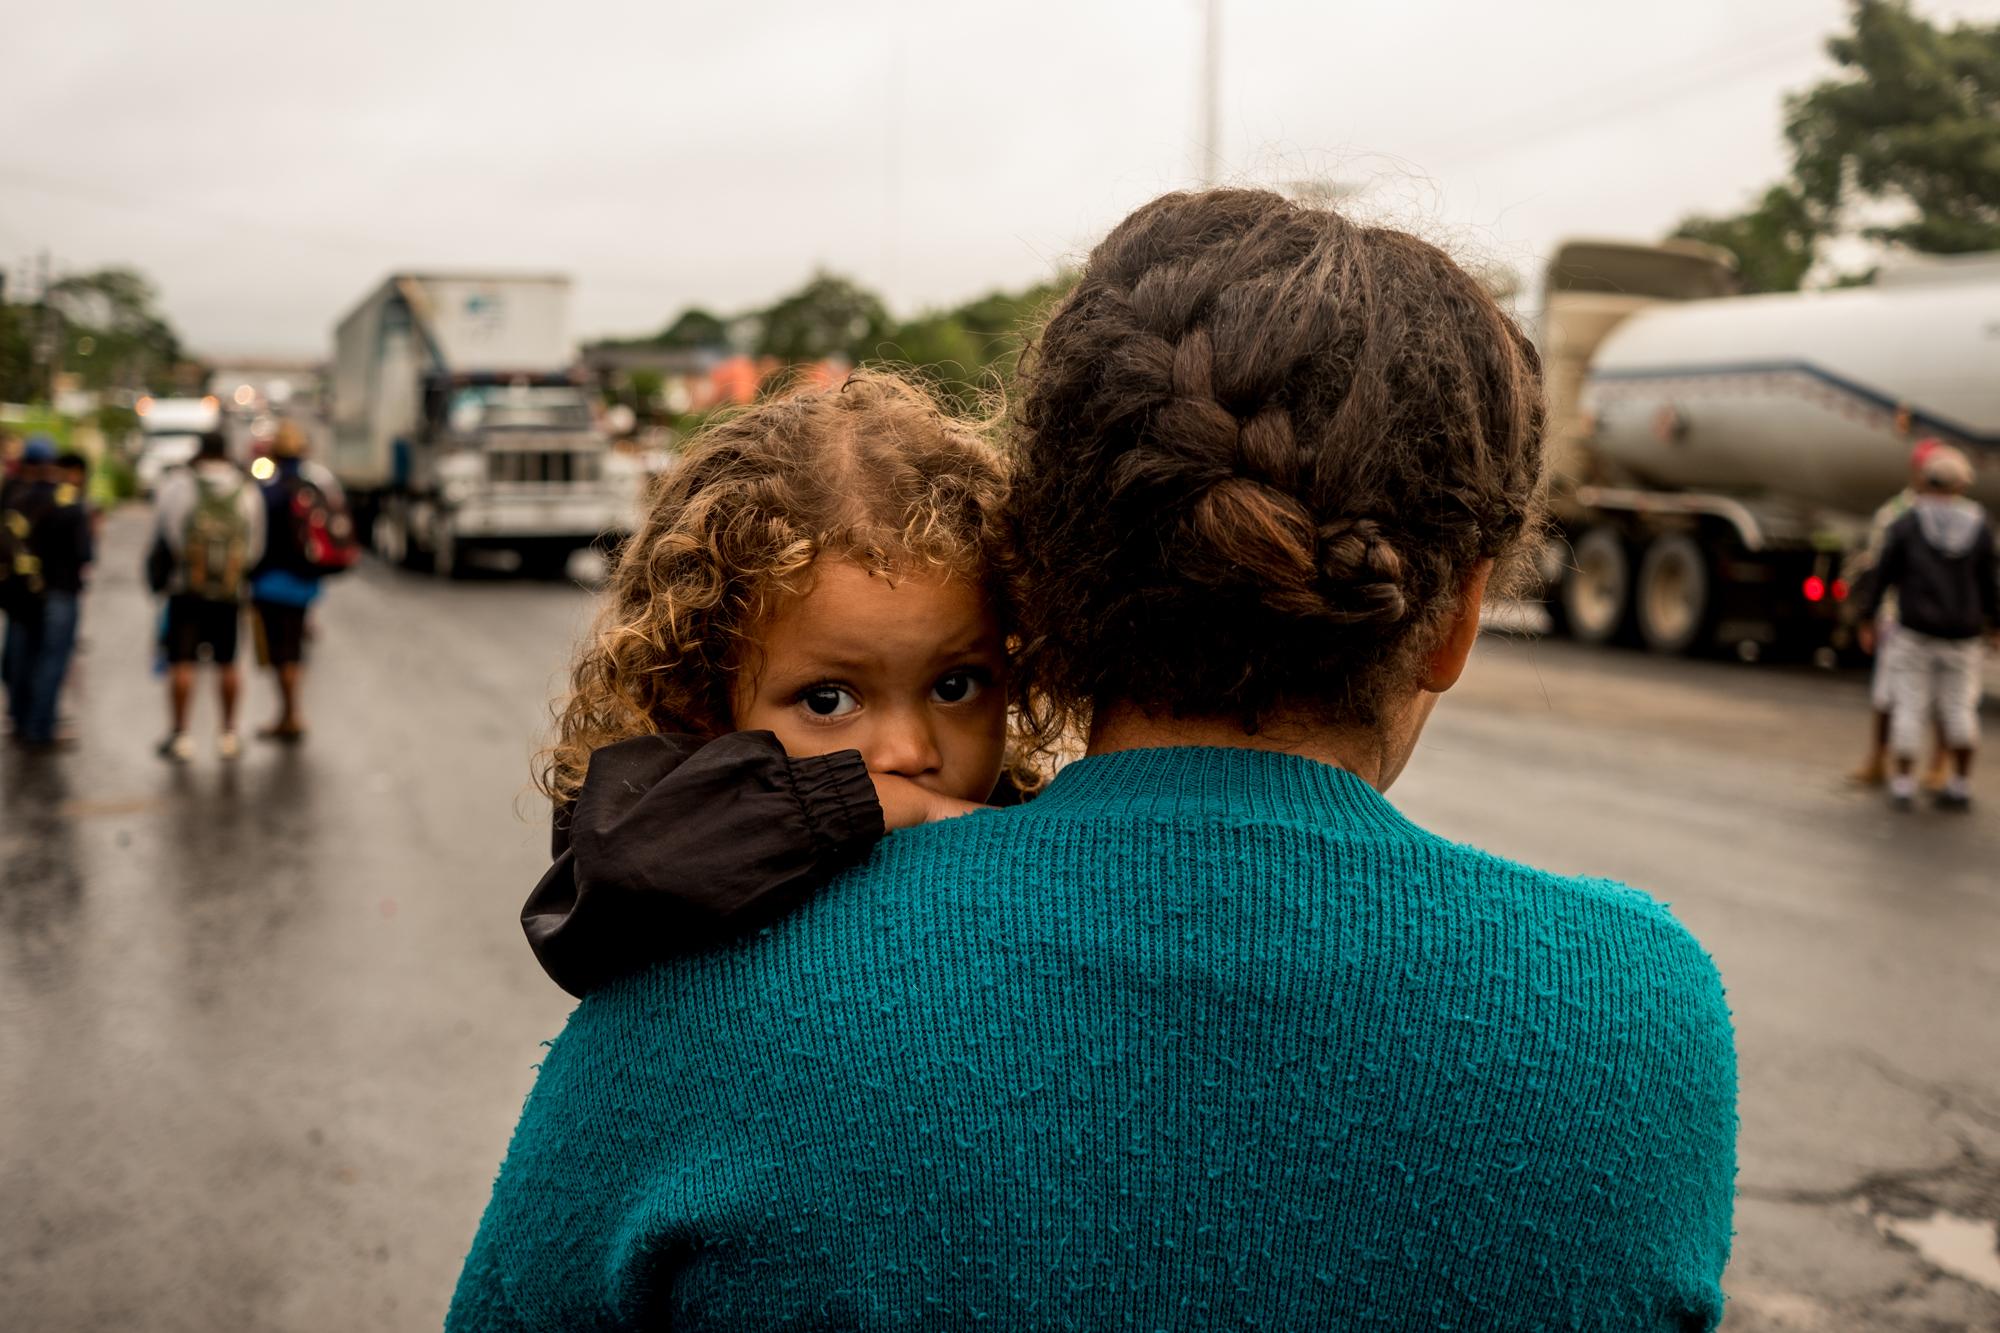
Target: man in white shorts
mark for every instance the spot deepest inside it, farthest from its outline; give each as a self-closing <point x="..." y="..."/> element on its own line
<point x="1939" y="560"/>
<point x="1874" y="770"/>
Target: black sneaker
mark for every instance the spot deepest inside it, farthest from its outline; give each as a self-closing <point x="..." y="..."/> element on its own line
<point x="1957" y="803"/>
<point x="1902" y="802"/>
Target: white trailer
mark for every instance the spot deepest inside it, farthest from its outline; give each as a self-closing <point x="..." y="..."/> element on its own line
<point x="1717" y="458"/>
<point x="457" y="426"/>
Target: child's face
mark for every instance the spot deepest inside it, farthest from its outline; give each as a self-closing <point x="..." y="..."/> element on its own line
<point x="909" y="673"/>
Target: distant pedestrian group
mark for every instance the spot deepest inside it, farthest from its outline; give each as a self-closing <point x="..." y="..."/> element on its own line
<point x="221" y="539"/>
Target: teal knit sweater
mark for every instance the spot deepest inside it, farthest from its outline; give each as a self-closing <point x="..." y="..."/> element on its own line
<point x="1200" y="1039"/>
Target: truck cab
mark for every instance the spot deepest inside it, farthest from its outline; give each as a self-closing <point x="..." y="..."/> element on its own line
<point x="456" y="430"/>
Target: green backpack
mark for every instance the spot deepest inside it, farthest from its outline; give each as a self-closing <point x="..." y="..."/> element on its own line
<point x="215" y="546"/>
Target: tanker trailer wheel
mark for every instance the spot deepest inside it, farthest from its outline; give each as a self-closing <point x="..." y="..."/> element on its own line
<point x="1674" y="595"/>
<point x="1596" y="593"/>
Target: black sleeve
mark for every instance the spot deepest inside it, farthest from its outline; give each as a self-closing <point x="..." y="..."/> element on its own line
<point x="1887" y="571"/>
<point x="673" y="844"/>
<point x="1986" y="560"/>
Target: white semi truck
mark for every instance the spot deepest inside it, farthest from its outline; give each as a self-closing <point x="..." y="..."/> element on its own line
<point x="456" y="425"/>
<point x="1716" y="458"/>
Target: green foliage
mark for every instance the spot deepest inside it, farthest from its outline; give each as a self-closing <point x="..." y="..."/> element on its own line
<point x="113" y="478"/>
<point x="966" y="351"/>
<point x="103" y="327"/>
<point x="972" y="349"/>
<point x="116" y="423"/>
<point x="831" y="316"/>
<point x="1773" y="241"/>
<point x="18" y="381"/>
<point x="42" y="421"/>
<point x="646" y="386"/>
<point x="1915" y="118"/>
<point x="694" y="328"/>
<point x="113" y="337"/>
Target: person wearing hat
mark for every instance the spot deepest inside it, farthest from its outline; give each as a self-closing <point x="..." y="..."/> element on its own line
<point x="1939" y="561"/>
<point x="298" y="496"/>
<point x="50" y="536"/>
<point x="1874" y="770"/>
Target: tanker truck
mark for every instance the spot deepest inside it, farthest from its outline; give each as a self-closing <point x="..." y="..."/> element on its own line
<point x="1715" y="458"/>
<point x="456" y="426"/>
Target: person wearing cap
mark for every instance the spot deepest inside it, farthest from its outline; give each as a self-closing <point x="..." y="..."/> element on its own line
<point x="1874" y="770"/>
<point x="46" y="516"/>
<point x="1939" y="561"/>
<point x="286" y="583"/>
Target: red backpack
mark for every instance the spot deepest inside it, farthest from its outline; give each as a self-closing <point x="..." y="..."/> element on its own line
<point x="322" y="532"/>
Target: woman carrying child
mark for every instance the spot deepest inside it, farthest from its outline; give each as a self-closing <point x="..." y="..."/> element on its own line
<point x="1206" y="1035"/>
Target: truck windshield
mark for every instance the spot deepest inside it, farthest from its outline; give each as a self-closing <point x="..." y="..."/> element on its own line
<point x="543" y="406"/>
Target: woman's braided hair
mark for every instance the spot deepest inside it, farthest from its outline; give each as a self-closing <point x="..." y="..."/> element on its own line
<point x="1260" y="449"/>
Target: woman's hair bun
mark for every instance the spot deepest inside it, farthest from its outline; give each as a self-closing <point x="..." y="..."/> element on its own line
<point x="1261" y="450"/>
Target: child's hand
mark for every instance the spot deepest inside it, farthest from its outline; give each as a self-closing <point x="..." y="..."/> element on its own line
<point x="906" y="805"/>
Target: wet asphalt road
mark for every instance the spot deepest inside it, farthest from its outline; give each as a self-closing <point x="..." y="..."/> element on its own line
<point x="264" y="1029"/>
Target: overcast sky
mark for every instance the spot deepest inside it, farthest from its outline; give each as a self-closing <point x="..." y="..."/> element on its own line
<point x="267" y="163"/>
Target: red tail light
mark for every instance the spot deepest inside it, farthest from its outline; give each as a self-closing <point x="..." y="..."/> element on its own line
<point x="1815" y="588"/>
<point x="1840" y="590"/>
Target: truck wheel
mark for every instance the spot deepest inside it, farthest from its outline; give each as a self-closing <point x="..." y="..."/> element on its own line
<point x="1673" y="596"/>
<point x="1596" y="591"/>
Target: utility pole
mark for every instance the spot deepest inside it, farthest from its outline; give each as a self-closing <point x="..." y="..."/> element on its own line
<point x="892" y="169"/>
<point x="45" y="331"/>
<point x="1211" y="94"/>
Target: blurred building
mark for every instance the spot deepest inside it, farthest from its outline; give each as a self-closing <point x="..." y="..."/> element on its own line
<point x="269" y="384"/>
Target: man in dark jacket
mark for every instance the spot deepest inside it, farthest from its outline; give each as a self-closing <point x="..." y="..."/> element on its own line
<point x="49" y="516"/>
<point x="1939" y="559"/>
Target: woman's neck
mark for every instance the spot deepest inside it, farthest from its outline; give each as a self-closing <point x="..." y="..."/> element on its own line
<point x="1371" y="755"/>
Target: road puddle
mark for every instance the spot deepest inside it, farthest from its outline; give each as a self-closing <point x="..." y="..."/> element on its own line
<point x="1962" y="1246"/>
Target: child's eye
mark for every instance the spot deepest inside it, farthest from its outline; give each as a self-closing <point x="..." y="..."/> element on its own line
<point x="828" y="701"/>
<point x="958" y="687"/>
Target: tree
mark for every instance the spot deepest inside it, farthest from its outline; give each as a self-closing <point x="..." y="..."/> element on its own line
<point x="971" y="349"/>
<point x="950" y="356"/>
<point x="1916" y="120"/>
<point x="112" y="336"/>
<point x="1913" y="120"/>
<point x="831" y="316"/>
<point x="694" y="328"/>
<point x="1773" y="241"/>
<point x="18" y="380"/>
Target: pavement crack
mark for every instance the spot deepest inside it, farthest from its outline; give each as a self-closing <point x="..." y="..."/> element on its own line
<point x="1945" y="1098"/>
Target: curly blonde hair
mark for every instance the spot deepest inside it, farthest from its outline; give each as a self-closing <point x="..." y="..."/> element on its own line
<point x="873" y="470"/>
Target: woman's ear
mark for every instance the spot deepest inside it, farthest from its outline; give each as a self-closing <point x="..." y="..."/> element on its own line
<point x="1447" y="660"/>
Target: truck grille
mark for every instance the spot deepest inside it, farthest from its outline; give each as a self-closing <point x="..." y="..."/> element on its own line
<point x="544" y="465"/>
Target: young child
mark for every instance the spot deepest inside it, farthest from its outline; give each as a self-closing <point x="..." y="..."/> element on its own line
<point x="799" y="649"/>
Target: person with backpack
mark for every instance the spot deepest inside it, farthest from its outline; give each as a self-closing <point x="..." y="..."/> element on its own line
<point x="309" y="537"/>
<point x="45" y="542"/>
<point x="210" y="528"/>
